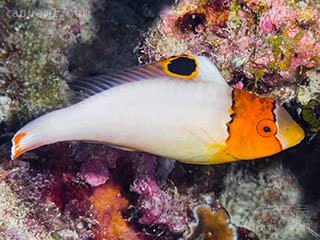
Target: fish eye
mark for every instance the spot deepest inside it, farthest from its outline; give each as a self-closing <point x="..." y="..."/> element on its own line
<point x="266" y="128"/>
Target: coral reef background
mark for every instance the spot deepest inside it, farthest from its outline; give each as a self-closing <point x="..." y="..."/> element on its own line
<point x="78" y="190"/>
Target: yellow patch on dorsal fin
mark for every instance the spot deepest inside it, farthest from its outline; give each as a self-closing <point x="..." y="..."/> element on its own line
<point x="182" y="66"/>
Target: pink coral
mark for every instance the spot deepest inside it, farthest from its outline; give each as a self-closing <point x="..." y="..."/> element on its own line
<point x="306" y="49"/>
<point x="152" y="201"/>
<point x="191" y="18"/>
<point x="158" y="207"/>
<point x="161" y="208"/>
<point x="254" y="4"/>
<point x="95" y="172"/>
<point x="276" y="17"/>
<point x="96" y="164"/>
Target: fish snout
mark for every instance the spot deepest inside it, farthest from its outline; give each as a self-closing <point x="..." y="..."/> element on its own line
<point x="289" y="132"/>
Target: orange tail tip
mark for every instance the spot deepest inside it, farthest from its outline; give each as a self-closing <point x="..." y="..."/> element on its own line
<point x="16" y="150"/>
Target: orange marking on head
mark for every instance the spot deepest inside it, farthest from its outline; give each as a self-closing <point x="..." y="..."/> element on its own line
<point x="252" y="129"/>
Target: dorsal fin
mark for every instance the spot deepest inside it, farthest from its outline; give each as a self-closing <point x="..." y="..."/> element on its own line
<point x="182" y="67"/>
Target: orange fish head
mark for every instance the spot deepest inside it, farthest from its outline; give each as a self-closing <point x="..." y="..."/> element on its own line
<point x="259" y="127"/>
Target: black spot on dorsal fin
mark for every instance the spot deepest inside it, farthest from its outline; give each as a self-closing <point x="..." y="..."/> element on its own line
<point x="175" y="67"/>
<point x="183" y="66"/>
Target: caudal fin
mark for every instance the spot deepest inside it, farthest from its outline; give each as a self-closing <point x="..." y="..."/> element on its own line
<point x="21" y="143"/>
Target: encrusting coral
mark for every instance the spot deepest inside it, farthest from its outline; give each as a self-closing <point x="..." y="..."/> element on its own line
<point x="55" y="203"/>
<point x="108" y="202"/>
<point x="35" y="40"/>
<point x="269" y="202"/>
<point x="158" y="207"/>
<point x="13" y="212"/>
<point x="215" y="224"/>
<point x="161" y="208"/>
<point x="59" y="202"/>
<point x="212" y="224"/>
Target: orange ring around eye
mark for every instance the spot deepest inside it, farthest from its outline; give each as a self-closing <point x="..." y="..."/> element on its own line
<point x="266" y="128"/>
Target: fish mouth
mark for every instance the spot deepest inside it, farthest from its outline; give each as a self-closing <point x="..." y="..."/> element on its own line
<point x="291" y="136"/>
<point x="289" y="132"/>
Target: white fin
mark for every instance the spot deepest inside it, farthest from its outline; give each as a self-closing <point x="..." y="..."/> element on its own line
<point x="22" y="142"/>
<point x="209" y="72"/>
<point x="113" y="146"/>
<point x="182" y="67"/>
<point x="122" y="148"/>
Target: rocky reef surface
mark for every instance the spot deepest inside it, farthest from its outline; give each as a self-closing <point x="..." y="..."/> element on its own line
<point x="78" y="190"/>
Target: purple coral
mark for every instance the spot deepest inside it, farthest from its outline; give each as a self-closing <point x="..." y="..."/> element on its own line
<point x="97" y="162"/>
<point x="276" y="17"/>
<point x="158" y="207"/>
<point x="94" y="172"/>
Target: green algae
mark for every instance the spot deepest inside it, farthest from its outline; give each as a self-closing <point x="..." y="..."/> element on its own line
<point x="39" y="82"/>
<point x="234" y="20"/>
<point x="259" y="73"/>
<point x="275" y="42"/>
<point x="311" y="114"/>
<point x="283" y="48"/>
<point x="36" y="48"/>
<point x="56" y="236"/>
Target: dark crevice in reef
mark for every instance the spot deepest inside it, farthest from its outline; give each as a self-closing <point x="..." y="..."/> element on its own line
<point x="119" y="26"/>
<point x="303" y="161"/>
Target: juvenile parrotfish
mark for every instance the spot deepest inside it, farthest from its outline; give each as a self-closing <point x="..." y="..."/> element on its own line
<point x="180" y="108"/>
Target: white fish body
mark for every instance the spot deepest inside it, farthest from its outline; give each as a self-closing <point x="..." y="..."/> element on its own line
<point x="172" y="118"/>
<point x="180" y="108"/>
